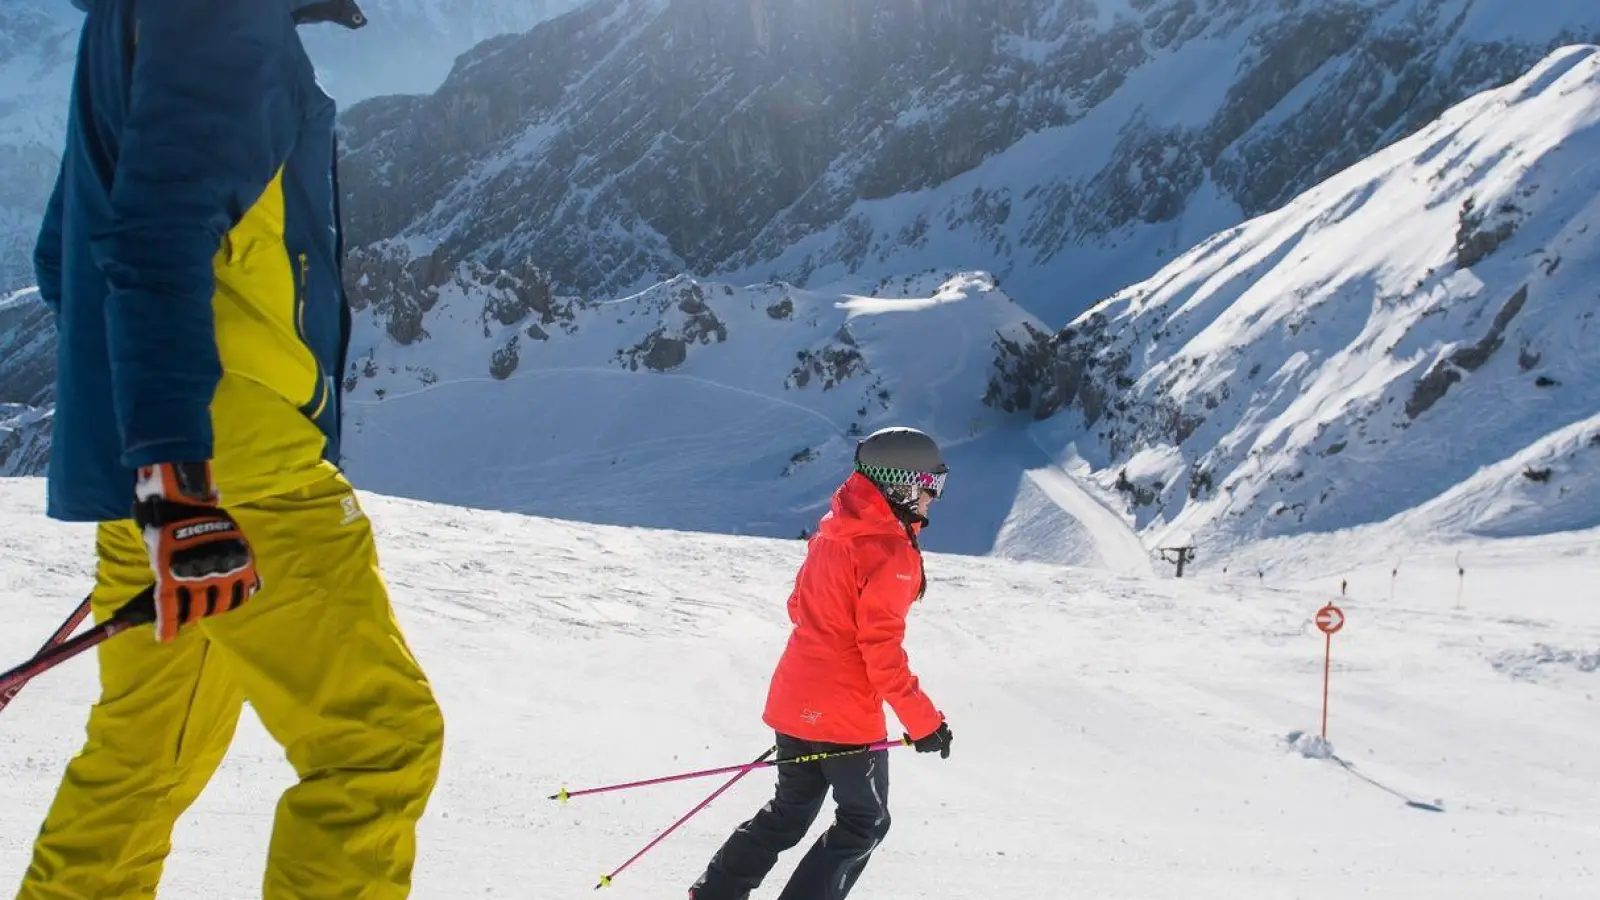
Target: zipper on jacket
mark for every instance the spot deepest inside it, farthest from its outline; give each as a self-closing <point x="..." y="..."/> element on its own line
<point x="300" y="290"/>
<point x="922" y="570"/>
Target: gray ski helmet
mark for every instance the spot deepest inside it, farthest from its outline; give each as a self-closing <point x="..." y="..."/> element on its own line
<point x="900" y="456"/>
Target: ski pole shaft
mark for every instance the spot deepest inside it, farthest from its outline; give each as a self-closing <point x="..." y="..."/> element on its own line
<point x="605" y="880"/>
<point x="61" y="634"/>
<point x="564" y="795"/>
<point x="140" y="610"/>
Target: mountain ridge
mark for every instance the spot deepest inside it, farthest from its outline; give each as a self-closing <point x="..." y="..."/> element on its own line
<point x="1293" y="374"/>
<point x="1040" y="141"/>
<point x="704" y="402"/>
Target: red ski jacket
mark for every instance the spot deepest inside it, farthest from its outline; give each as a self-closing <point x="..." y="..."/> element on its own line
<point x="844" y="659"/>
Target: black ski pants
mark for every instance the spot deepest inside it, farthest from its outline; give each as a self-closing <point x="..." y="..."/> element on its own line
<point x="860" y="783"/>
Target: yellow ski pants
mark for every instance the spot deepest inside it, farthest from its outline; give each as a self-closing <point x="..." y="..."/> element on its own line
<point x="321" y="659"/>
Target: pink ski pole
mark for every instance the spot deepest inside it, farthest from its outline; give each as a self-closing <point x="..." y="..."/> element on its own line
<point x="605" y="880"/>
<point x="564" y="795"/>
<point x="61" y="634"/>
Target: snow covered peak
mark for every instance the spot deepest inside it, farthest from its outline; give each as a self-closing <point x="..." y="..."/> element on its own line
<point x="1069" y="146"/>
<point x="1417" y="333"/>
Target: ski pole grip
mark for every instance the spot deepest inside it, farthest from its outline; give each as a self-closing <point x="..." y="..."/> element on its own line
<point x="141" y="610"/>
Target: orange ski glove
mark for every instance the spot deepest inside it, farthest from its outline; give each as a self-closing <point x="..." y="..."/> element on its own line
<point x="202" y="562"/>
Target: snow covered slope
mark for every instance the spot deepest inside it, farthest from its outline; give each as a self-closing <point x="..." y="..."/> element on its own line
<point x="1417" y="336"/>
<point x="693" y="405"/>
<point x="1114" y="738"/>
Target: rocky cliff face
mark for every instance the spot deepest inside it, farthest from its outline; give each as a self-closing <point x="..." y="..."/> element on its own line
<point x="27" y="375"/>
<point x="24" y="439"/>
<point x="28" y="348"/>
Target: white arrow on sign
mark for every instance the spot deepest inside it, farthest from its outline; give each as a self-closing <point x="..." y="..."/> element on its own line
<point x="1330" y="619"/>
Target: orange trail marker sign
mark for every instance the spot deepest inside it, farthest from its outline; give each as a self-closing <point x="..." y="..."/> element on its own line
<point x="1329" y="620"/>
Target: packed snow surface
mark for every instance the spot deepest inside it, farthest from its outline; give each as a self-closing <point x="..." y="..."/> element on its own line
<point x="1115" y="736"/>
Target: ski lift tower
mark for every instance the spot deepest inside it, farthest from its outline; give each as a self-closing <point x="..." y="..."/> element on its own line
<point x="1180" y="556"/>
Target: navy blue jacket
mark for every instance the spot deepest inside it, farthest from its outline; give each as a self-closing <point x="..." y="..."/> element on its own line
<point x="192" y="243"/>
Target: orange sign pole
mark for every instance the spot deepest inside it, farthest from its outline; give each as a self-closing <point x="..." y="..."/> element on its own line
<point x="1329" y="620"/>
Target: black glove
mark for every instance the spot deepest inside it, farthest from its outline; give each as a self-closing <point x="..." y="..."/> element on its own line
<point x="937" y="742"/>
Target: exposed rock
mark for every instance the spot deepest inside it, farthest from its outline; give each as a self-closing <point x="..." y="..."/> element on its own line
<point x="1138" y="494"/>
<point x="27" y="351"/>
<point x="402" y="288"/>
<point x="1477" y="238"/>
<point x="1046" y="373"/>
<point x="831" y="365"/>
<point x="686" y="318"/>
<point x="1431" y="388"/>
<point x="799" y="459"/>
<point x="24" y="440"/>
<point x="504" y="359"/>
<point x="659" y="352"/>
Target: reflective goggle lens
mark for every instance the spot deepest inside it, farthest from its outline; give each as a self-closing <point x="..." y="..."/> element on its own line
<point x="930" y="481"/>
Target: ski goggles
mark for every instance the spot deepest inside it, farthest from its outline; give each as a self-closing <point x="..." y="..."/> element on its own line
<point x="932" y="482"/>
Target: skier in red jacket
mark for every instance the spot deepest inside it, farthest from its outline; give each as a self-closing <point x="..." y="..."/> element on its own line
<point x="844" y="660"/>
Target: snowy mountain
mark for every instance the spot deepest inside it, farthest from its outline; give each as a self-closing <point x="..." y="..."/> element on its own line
<point x="408" y="46"/>
<point x="693" y="405"/>
<point x="1071" y="147"/>
<point x="1294" y="373"/>
<point x="1415" y="337"/>
<point x="27" y="346"/>
<point x="38" y="41"/>
<point x="1115" y="738"/>
<point x="1229" y="397"/>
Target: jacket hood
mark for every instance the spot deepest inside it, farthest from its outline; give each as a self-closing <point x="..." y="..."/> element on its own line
<point x="859" y="508"/>
<point x="341" y="12"/>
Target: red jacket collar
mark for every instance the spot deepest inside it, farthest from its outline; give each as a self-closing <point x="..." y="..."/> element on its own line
<point x="859" y="507"/>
